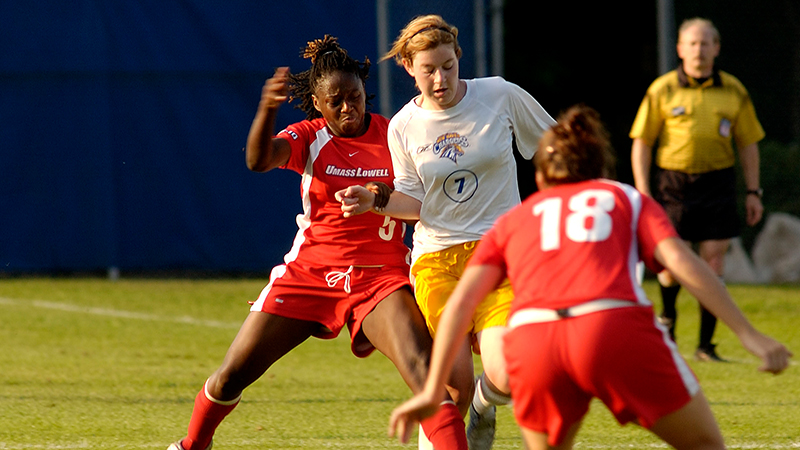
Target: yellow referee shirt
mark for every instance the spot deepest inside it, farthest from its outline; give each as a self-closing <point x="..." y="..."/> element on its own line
<point x="694" y="123"/>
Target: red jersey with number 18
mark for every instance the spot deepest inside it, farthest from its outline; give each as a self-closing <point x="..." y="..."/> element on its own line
<point x="576" y="242"/>
<point x="328" y="163"/>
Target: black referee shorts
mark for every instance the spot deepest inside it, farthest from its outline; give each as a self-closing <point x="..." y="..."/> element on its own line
<point x="700" y="206"/>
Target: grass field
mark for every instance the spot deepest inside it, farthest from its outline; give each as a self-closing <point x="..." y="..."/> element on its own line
<point x="99" y="364"/>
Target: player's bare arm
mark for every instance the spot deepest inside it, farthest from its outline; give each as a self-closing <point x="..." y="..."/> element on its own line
<point x="750" y="161"/>
<point x="698" y="278"/>
<point x="358" y="200"/>
<point x="641" y="159"/>
<point x="263" y="153"/>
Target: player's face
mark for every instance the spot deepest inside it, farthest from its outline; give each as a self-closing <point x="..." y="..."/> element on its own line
<point x="697" y="49"/>
<point x="341" y="100"/>
<point x="436" y="72"/>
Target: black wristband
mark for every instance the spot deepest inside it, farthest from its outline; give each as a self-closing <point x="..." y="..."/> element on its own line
<point x="382" y="192"/>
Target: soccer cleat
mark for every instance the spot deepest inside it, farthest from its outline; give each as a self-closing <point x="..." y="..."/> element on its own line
<point x="708" y="354"/>
<point x="178" y="446"/>
<point x="480" y="431"/>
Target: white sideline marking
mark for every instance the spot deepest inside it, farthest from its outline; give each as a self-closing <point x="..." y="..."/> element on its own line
<point x="115" y="313"/>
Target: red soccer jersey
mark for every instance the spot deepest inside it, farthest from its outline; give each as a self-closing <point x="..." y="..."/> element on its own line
<point x="576" y="242"/>
<point x="328" y="163"/>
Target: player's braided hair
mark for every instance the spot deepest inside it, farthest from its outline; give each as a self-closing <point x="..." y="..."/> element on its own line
<point x="577" y="148"/>
<point x="326" y="57"/>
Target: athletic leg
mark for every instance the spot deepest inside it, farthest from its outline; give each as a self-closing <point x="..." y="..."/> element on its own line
<point x="397" y="329"/>
<point x="494" y="363"/>
<point x="491" y="389"/>
<point x="708" y="324"/>
<point x="669" y="288"/>
<point x="669" y="312"/>
<point x="690" y="428"/>
<point x="263" y="339"/>
<point x="669" y="190"/>
<point x="712" y="252"/>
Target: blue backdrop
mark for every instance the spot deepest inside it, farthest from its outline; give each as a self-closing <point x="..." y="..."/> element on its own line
<point x="122" y="127"/>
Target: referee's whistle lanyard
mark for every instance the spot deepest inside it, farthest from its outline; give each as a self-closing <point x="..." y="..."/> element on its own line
<point x="333" y="278"/>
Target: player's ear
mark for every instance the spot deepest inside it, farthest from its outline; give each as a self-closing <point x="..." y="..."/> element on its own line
<point x="316" y="102"/>
<point x="409" y="66"/>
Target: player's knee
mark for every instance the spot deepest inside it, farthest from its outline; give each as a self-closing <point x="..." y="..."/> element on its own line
<point x="227" y="383"/>
<point x="494" y="363"/>
<point x="497" y="379"/>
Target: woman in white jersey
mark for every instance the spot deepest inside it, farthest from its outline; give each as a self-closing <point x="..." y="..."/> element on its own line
<point x="455" y="171"/>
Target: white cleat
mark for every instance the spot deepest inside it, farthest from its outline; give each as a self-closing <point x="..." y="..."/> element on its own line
<point x="177" y="446"/>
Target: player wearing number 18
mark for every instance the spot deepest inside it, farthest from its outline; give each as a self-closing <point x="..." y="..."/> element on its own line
<point x="580" y="325"/>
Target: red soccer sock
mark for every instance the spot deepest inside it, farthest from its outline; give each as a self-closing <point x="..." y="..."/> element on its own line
<point x="206" y="417"/>
<point x="445" y="429"/>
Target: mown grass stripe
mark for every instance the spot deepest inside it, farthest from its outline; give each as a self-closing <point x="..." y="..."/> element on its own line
<point x="117" y="313"/>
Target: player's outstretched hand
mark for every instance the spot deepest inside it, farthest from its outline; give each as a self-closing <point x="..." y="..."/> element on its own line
<point x="355" y="200"/>
<point x="405" y="417"/>
<point x="774" y="355"/>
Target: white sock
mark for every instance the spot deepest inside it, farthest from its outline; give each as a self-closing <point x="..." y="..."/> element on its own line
<point x="479" y="402"/>
<point x="424" y="443"/>
<point x="484" y="397"/>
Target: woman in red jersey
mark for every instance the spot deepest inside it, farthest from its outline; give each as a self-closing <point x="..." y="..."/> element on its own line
<point x="581" y="326"/>
<point x="339" y="272"/>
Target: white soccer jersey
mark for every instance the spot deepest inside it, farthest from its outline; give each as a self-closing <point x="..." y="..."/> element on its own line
<point x="459" y="162"/>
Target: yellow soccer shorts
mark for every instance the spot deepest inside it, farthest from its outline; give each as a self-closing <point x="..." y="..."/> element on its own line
<point x="435" y="276"/>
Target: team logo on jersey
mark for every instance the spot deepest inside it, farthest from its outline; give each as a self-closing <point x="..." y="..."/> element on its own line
<point x="678" y="111"/>
<point x="355" y="172"/>
<point x="450" y="145"/>
<point x="725" y="128"/>
<point x="290" y="133"/>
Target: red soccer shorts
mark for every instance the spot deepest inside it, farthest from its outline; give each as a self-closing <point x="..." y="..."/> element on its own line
<point x="617" y="355"/>
<point x="320" y="294"/>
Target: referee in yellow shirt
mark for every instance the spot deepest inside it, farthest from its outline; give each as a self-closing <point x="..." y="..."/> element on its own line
<point x="694" y="113"/>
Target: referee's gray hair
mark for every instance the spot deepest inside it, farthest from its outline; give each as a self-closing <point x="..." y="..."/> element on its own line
<point x="700" y="21"/>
